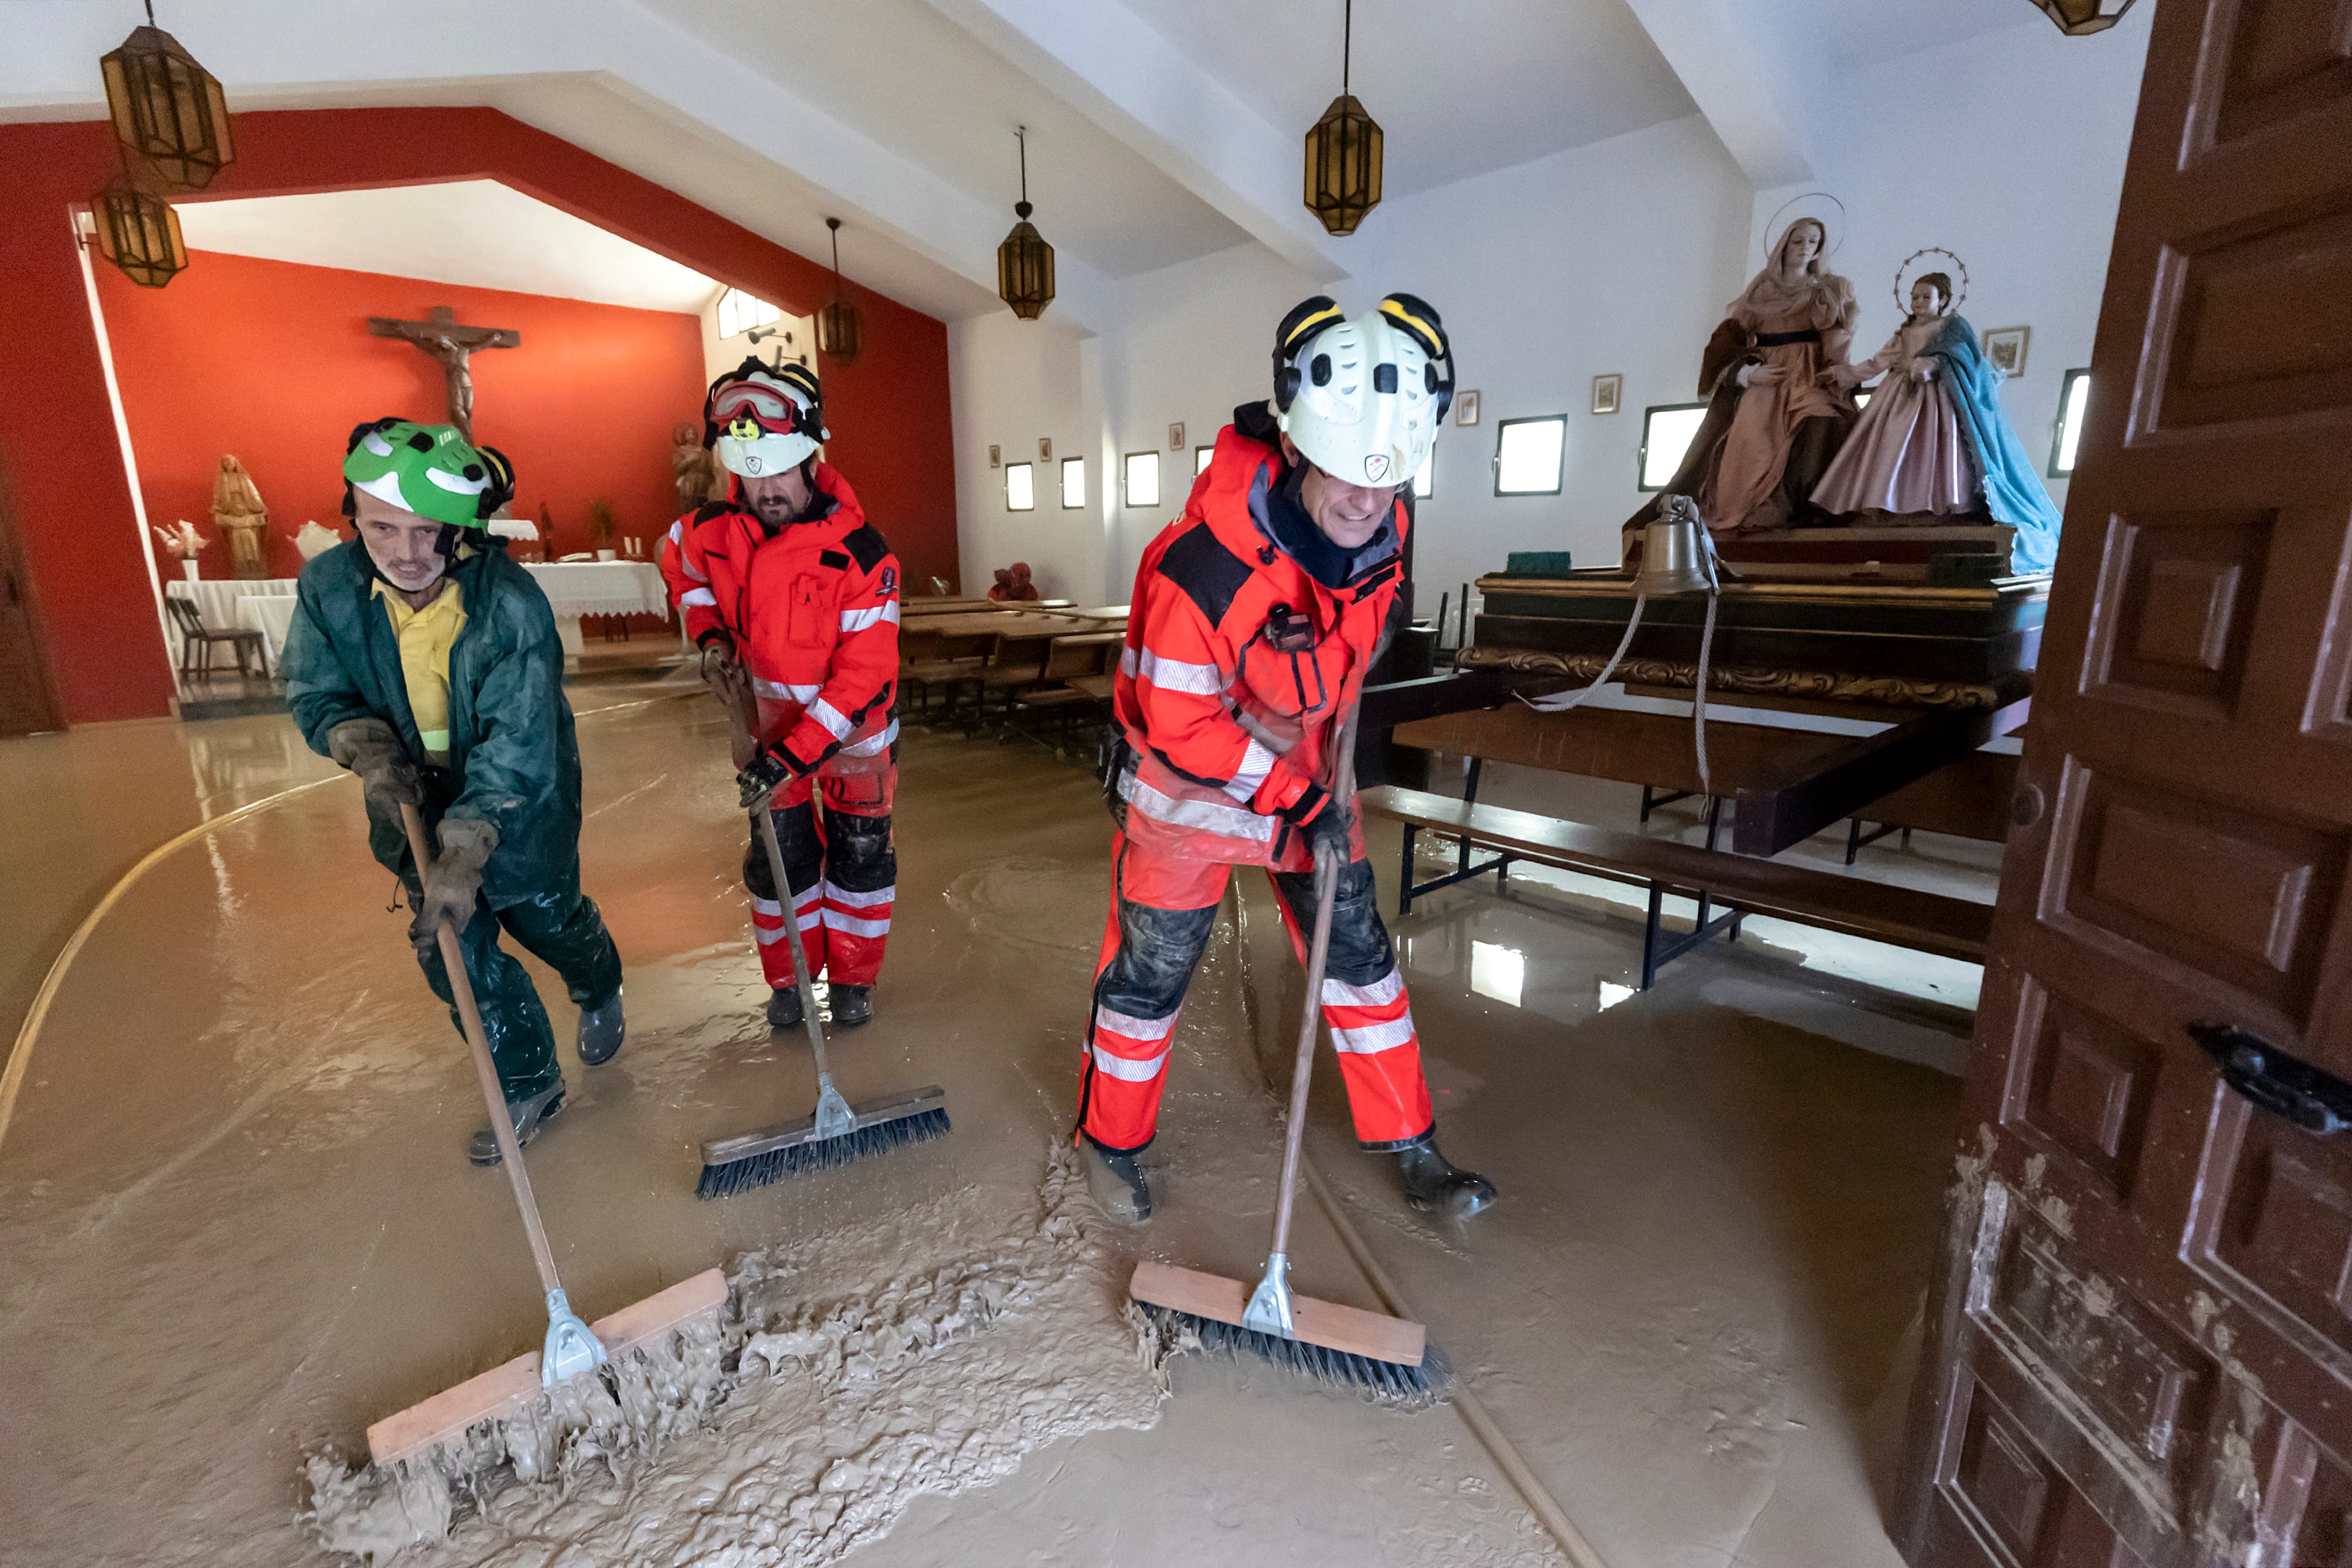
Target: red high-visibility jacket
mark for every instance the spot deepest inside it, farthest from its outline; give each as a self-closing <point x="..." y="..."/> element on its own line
<point x="1226" y="731"/>
<point x="813" y="612"/>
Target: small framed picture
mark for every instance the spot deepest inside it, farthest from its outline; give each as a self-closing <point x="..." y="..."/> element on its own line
<point x="1466" y="407"/>
<point x="1606" y="391"/>
<point x="1045" y="449"/>
<point x="996" y="456"/>
<point x="2005" y="347"/>
<point x="1176" y="437"/>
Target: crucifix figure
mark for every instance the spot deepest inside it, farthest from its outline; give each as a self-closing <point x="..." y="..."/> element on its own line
<point x="453" y="344"/>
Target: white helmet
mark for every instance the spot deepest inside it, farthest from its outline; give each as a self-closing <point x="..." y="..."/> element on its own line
<point x="763" y="420"/>
<point x="1362" y="399"/>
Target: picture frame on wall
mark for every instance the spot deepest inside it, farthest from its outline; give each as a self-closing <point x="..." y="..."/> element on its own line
<point x="1045" y="449"/>
<point x="996" y="456"/>
<point x="1176" y="437"/>
<point x="2005" y="347"/>
<point x="1466" y="407"/>
<point x="1607" y="392"/>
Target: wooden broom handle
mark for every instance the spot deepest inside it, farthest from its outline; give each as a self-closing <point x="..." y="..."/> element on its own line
<point x="1319" y="953"/>
<point x="461" y="988"/>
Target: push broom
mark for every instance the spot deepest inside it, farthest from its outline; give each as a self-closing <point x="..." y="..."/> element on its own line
<point x="837" y="1133"/>
<point x="572" y="1347"/>
<point x="1367" y="1353"/>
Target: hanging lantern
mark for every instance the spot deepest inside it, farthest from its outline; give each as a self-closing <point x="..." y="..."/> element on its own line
<point x="1025" y="262"/>
<point x="139" y="231"/>
<point x="167" y="108"/>
<point x="1343" y="152"/>
<point x="836" y="326"/>
<point x="2076" y="17"/>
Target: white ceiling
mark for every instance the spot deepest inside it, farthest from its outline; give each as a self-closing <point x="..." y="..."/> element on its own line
<point x="473" y="232"/>
<point x="902" y="73"/>
<point x="1458" y="90"/>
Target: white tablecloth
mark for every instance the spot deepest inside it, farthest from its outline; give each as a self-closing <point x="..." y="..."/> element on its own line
<point x="270" y="615"/>
<point x="580" y="588"/>
<point x="218" y="600"/>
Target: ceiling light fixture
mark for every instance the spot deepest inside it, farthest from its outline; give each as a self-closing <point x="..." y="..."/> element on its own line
<point x="139" y="231"/>
<point x="167" y="108"/>
<point x="838" y="331"/>
<point x="1343" y="152"/>
<point x="2077" y="17"/>
<point x="1025" y="262"/>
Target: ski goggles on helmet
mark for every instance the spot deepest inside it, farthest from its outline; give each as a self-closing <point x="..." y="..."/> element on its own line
<point x="747" y="406"/>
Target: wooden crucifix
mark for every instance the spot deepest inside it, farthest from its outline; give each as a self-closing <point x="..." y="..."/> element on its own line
<point x="446" y="340"/>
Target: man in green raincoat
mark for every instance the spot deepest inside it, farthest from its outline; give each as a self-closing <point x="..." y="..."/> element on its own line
<point x="427" y="661"/>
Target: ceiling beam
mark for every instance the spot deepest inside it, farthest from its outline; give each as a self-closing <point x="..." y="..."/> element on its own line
<point x="1103" y="60"/>
<point x="1755" y="81"/>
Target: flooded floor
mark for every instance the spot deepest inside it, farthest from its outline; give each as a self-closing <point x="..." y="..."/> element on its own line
<point x="237" y="1224"/>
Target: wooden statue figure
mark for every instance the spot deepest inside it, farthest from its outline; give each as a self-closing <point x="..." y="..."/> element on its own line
<point x="1772" y="422"/>
<point x="695" y="472"/>
<point x="1935" y="445"/>
<point x="241" y="518"/>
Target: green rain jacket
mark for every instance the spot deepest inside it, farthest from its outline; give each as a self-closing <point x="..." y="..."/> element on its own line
<point x="513" y="760"/>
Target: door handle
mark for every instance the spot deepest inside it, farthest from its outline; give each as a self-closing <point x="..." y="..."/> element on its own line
<point x="2313" y="1100"/>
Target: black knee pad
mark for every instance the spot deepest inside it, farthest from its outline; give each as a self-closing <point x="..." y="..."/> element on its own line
<point x="859" y="857"/>
<point x="803" y="854"/>
<point x="1158" y="951"/>
<point x="1361" y="952"/>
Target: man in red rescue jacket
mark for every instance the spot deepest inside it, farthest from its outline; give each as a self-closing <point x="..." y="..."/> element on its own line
<point x="1255" y="616"/>
<point x="785" y="584"/>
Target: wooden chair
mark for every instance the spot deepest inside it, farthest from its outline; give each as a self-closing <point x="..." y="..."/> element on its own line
<point x="1075" y="688"/>
<point x="197" y="641"/>
<point x="932" y="660"/>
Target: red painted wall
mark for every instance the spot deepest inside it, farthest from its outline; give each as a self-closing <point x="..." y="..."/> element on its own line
<point x="58" y="458"/>
<point x="272" y="361"/>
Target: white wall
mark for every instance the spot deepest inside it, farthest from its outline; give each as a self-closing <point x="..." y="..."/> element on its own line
<point x="1617" y="258"/>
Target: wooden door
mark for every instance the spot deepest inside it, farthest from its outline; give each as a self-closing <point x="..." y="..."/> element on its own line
<point x="2140" y="1336"/>
<point x="27" y="703"/>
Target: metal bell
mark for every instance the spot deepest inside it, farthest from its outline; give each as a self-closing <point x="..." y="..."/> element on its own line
<point x="1677" y="553"/>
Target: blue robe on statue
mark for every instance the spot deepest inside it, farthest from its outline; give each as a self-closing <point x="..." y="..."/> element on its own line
<point x="2013" y="492"/>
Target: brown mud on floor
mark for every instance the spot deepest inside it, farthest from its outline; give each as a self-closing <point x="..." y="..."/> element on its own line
<point x="237" y="1225"/>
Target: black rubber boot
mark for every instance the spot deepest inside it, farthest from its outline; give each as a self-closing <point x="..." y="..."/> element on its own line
<point x="600" y="1031"/>
<point x="785" y="1009"/>
<point x="1116" y="1184"/>
<point x="852" y="1006"/>
<point x="529" y="1116"/>
<point x="1433" y="1184"/>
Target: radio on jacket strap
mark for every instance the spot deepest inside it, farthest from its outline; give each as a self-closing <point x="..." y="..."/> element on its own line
<point x="1292" y="635"/>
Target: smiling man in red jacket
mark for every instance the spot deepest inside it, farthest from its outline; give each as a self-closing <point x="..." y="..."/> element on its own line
<point x="785" y="584"/>
<point x="1256" y="615"/>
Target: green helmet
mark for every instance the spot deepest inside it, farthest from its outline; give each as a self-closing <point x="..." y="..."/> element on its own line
<point x="428" y="470"/>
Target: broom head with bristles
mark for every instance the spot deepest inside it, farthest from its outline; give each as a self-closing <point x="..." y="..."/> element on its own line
<point x="1368" y="1354"/>
<point x="731" y="1165"/>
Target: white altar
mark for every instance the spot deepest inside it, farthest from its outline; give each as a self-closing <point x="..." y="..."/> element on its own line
<point x="573" y="589"/>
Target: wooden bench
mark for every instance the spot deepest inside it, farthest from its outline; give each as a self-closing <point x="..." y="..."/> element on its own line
<point x="1743" y="885"/>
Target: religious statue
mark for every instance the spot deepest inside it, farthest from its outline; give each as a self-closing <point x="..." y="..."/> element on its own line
<point x="696" y="473"/>
<point x="1772" y="422"/>
<point x="242" y="519"/>
<point x="1935" y="445"/>
<point x="453" y="344"/>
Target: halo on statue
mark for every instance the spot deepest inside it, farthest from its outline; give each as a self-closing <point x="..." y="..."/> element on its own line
<point x="1916" y="263"/>
<point x="1818" y="206"/>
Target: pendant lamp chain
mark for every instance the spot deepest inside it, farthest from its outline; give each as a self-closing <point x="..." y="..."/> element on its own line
<point x="839" y="334"/>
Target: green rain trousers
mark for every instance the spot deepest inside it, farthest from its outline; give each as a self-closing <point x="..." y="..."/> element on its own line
<point x="562" y="931"/>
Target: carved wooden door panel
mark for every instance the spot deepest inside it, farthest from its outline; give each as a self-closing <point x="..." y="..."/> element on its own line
<point x="2140" y="1337"/>
<point x="26" y="703"/>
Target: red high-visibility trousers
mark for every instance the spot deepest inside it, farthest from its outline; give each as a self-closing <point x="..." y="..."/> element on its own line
<point x="843" y="874"/>
<point x="1162" y="909"/>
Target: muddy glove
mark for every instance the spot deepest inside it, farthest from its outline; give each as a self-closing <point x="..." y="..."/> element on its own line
<point x="771" y="769"/>
<point x="370" y="748"/>
<point x="1320" y="820"/>
<point x="454" y="880"/>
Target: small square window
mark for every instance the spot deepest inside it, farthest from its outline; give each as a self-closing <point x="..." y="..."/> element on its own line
<point x="1201" y="456"/>
<point x="1020" y="493"/>
<point x="2074" y="403"/>
<point x="1423" y="478"/>
<point x="1666" y="432"/>
<point x="1527" y="454"/>
<point x="1073" y="483"/>
<point x="739" y="313"/>
<point x="1143" y="479"/>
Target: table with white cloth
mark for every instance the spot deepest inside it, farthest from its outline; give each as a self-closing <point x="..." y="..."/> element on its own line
<point x="219" y="604"/>
<point x="577" y="588"/>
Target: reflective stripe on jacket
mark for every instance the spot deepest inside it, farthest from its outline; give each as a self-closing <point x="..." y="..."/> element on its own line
<point x="1227" y="729"/>
<point x="813" y="612"/>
